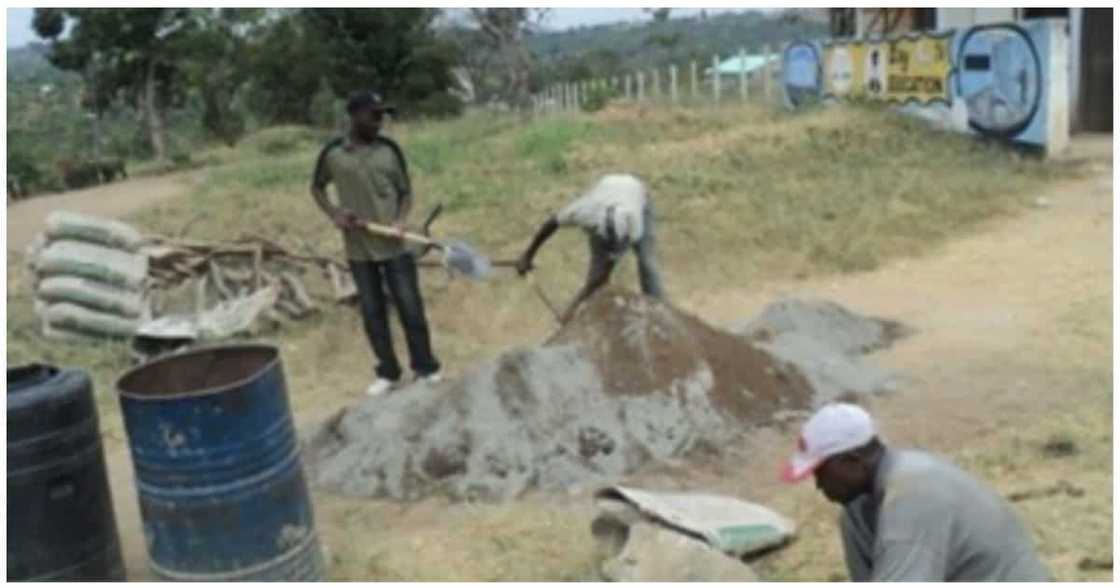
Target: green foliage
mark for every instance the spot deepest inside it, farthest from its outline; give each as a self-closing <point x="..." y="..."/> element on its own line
<point x="281" y="140"/>
<point x="181" y="158"/>
<point x="393" y="50"/>
<point x="597" y="98"/>
<point x="323" y="107"/>
<point x="288" y="61"/>
<point x="549" y="142"/>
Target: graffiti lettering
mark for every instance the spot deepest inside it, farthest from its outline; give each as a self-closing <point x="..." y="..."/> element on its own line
<point x="915" y="85"/>
<point x="993" y="74"/>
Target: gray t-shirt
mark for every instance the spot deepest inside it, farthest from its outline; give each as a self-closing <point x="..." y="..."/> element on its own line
<point x="928" y="520"/>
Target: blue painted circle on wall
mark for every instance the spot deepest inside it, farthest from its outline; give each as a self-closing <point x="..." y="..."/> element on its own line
<point x="801" y="72"/>
<point x="999" y="76"/>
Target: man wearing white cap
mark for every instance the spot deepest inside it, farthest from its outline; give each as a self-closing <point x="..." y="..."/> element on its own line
<point x="909" y="516"/>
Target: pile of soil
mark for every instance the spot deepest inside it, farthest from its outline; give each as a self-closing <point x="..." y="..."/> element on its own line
<point x="826" y="342"/>
<point x="629" y="381"/>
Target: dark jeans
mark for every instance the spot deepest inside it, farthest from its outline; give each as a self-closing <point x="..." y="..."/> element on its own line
<point x="648" y="275"/>
<point x="400" y="276"/>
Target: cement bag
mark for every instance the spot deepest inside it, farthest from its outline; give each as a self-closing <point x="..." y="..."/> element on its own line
<point x="102" y="264"/>
<point x="68" y="336"/>
<point x="235" y="317"/>
<point x="727" y="524"/>
<point x="71" y="317"/>
<point x="63" y="225"/>
<point x="91" y="294"/>
<point x="650" y="553"/>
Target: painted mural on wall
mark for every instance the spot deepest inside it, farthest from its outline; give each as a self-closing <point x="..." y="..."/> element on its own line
<point x="995" y="71"/>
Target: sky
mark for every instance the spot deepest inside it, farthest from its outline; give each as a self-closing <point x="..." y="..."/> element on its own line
<point x="20" y="33"/>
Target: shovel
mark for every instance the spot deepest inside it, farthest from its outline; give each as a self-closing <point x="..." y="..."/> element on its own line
<point x="536" y="287"/>
<point x="457" y="255"/>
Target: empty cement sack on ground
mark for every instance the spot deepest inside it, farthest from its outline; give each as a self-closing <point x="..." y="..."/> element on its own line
<point x="732" y="526"/>
<point x="63" y="225"/>
<point x="93" y="295"/>
<point x="73" y="318"/>
<point x="645" y="552"/>
<point x="103" y="264"/>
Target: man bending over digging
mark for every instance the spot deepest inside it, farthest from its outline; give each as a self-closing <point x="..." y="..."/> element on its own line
<point x="617" y="215"/>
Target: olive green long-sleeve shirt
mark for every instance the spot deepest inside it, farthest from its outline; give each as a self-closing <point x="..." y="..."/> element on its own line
<point x="929" y="521"/>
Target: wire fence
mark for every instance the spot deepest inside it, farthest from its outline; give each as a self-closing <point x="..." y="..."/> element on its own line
<point x="726" y="80"/>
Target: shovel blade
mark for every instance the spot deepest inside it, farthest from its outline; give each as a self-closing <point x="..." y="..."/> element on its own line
<point x="463" y="259"/>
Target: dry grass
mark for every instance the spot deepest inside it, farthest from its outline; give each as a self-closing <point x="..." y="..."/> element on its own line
<point x="743" y="195"/>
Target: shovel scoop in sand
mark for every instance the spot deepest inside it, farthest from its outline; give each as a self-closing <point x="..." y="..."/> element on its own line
<point x="457" y="255"/>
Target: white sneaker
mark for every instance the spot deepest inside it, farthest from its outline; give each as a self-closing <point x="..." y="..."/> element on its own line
<point x="432" y="378"/>
<point x="380" y="386"/>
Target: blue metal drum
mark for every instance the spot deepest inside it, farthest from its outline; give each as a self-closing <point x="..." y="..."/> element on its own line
<point x="218" y="472"/>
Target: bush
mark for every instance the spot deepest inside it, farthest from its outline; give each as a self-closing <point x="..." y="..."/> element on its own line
<point x="181" y="159"/>
<point x="323" y="107"/>
<point x="597" y="99"/>
<point x="438" y="105"/>
<point x="281" y="140"/>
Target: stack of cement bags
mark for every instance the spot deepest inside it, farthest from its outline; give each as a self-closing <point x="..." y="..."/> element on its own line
<point x="90" y="278"/>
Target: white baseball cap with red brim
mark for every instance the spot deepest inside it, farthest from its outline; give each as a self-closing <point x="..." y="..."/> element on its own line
<point x="834" y="429"/>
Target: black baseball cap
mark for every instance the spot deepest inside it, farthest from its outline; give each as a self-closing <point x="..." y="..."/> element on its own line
<point x="368" y="99"/>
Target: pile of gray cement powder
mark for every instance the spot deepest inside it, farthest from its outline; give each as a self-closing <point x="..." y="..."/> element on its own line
<point x="628" y="382"/>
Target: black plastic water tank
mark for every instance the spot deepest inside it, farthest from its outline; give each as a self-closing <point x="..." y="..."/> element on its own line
<point x="60" y="511"/>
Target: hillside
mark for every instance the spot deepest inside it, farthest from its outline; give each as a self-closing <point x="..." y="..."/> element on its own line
<point x="678" y="39"/>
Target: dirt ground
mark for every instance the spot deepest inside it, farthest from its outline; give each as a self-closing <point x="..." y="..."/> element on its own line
<point x="26" y="218"/>
<point x="1013" y="351"/>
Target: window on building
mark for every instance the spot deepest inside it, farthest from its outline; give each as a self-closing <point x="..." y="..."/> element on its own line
<point x="925" y="19"/>
<point x="842" y="22"/>
<point x="1029" y="13"/>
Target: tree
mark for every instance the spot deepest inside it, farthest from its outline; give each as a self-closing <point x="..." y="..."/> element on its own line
<point x="287" y="59"/>
<point x="395" y="50"/>
<point x="134" y="51"/>
<point x="658" y="14"/>
<point x="507" y="28"/>
<point x="219" y="67"/>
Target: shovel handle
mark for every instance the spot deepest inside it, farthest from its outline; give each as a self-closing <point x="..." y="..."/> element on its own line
<point x="385" y="231"/>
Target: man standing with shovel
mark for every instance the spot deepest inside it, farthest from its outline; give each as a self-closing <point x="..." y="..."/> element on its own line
<point x="617" y="215"/>
<point x="371" y="178"/>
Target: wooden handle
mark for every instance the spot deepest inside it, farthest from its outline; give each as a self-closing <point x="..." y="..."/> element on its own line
<point x="391" y="232"/>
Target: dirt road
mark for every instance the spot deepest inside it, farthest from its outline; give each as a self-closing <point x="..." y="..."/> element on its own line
<point x="26" y="217"/>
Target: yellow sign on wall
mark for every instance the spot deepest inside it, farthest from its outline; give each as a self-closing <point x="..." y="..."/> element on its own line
<point x="918" y="69"/>
<point x="899" y="71"/>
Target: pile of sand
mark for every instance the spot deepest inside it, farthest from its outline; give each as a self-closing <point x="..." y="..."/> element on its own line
<point x="826" y="341"/>
<point x="629" y="381"/>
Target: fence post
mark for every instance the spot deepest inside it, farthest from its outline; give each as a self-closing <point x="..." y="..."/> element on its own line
<point x="641" y="87"/>
<point x="766" y="72"/>
<point x="743" y="74"/>
<point x="656" y="93"/>
<point x="716" y="81"/>
<point x="629" y="83"/>
<point x="693" y="81"/>
<point x="673" y="82"/>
